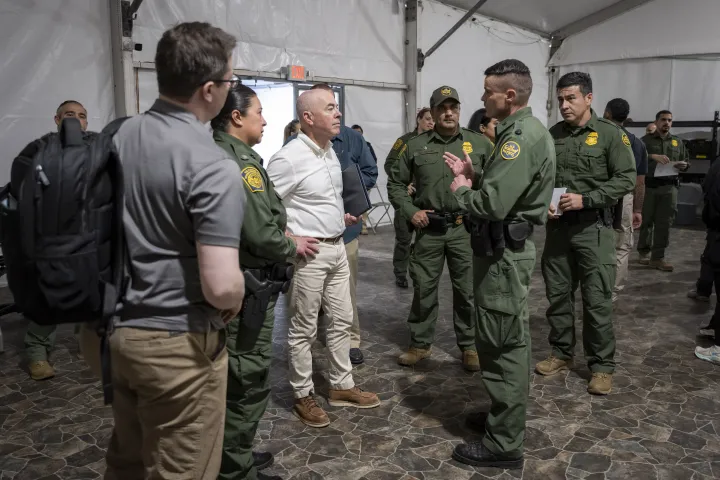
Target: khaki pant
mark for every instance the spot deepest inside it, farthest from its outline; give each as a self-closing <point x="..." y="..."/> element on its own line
<point x="351" y="249"/>
<point x="169" y="404"/>
<point x="320" y="280"/>
<point x="624" y="244"/>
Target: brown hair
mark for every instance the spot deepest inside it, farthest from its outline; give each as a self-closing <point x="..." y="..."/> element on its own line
<point x="419" y="115"/>
<point x="189" y="55"/>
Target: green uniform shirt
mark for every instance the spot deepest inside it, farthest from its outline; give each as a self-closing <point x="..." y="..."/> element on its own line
<point x="518" y="177"/>
<point x="263" y="240"/>
<point x="421" y="158"/>
<point x="396" y="149"/>
<point x="594" y="160"/>
<point x="670" y="146"/>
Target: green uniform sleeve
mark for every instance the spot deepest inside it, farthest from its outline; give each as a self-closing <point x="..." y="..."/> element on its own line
<point x="505" y="180"/>
<point x="622" y="171"/>
<point x="399" y="172"/>
<point x="260" y="232"/>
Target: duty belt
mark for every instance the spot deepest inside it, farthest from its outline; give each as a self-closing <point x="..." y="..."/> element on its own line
<point x="574" y="217"/>
<point x="654" y="182"/>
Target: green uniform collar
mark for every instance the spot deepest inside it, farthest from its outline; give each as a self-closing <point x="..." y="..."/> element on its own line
<point x="510" y="121"/>
<point x="237" y="146"/>
<point x="434" y="135"/>
<point x="590" y="125"/>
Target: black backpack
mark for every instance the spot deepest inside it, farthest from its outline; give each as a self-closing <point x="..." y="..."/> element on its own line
<point x="61" y="226"/>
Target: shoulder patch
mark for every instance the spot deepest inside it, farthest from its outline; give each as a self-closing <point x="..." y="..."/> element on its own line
<point x="625" y="139"/>
<point x="510" y="150"/>
<point x="252" y="178"/>
<point x="398" y="143"/>
<point x="402" y="150"/>
<point x="467" y="147"/>
<point x="674" y="143"/>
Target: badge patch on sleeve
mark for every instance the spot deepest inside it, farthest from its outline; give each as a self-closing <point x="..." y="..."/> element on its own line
<point x="252" y="178"/>
<point x="626" y="140"/>
<point x="467" y="148"/>
<point x="591" y="139"/>
<point x="398" y="144"/>
<point x="674" y="143"/>
<point x="510" y="151"/>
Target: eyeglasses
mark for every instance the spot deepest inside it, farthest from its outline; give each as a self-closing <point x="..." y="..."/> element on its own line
<point x="233" y="81"/>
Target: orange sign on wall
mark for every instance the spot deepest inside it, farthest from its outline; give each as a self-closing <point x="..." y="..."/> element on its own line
<point x="297" y="72"/>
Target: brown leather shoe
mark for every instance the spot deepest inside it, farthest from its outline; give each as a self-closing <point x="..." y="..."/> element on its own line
<point x="354" y="397"/>
<point x="413" y="355"/>
<point x="310" y="413"/>
<point x="41" y="370"/>
<point x="471" y="361"/>
<point x="661" y="265"/>
<point x="600" y="384"/>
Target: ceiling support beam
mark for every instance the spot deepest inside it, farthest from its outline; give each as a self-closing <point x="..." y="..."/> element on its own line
<point x="412" y="55"/>
<point x="453" y="29"/>
<point x="614" y="10"/>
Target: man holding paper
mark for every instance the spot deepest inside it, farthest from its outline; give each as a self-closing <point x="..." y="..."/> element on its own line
<point x="667" y="157"/>
<point x="597" y="166"/>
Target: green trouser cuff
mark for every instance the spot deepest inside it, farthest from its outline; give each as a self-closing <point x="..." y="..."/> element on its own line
<point x="601" y="369"/>
<point x="423" y="347"/>
<point x="557" y="353"/>
<point x="514" y="455"/>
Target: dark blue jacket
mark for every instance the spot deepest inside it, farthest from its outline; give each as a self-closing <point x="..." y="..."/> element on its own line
<point x="640" y="153"/>
<point x="350" y="147"/>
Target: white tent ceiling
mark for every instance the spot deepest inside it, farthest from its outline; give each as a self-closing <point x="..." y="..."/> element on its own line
<point x="543" y="16"/>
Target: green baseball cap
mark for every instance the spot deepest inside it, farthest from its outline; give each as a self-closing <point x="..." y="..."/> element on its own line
<point x="443" y="93"/>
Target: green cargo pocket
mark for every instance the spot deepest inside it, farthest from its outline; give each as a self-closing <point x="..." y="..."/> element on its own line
<point x="497" y="330"/>
<point x="504" y="284"/>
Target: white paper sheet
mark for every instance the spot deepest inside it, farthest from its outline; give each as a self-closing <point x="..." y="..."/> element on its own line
<point x="556" y="199"/>
<point x="666" y="170"/>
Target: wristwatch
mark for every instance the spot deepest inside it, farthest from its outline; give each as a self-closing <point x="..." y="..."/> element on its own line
<point x="585" y="201"/>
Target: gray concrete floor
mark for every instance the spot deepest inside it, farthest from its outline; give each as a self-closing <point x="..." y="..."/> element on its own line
<point x="661" y="421"/>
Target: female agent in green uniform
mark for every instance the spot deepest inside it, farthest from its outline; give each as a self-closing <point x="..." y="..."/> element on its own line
<point x="264" y="250"/>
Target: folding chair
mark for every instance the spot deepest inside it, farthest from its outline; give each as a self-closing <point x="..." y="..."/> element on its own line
<point x="5" y="308"/>
<point x="382" y="204"/>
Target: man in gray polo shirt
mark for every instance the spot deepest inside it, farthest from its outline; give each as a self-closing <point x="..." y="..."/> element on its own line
<point x="183" y="215"/>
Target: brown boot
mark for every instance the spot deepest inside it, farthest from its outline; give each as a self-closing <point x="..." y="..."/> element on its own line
<point x="661" y="265"/>
<point x="600" y="384"/>
<point x="644" y="259"/>
<point x="353" y="397"/>
<point x="310" y="413"/>
<point x="41" y="370"/>
<point x="471" y="361"/>
<point x="413" y="355"/>
<point x="552" y="365"/>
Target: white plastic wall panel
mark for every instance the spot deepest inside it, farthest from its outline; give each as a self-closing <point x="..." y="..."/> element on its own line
<point x="51" y="51"/>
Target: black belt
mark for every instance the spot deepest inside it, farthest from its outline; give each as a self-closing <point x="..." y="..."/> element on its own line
<point x="580" y="216"/>
<point x="330" y="239"/>
<point x="654" y="182"/>
<point x="455" y="218"/>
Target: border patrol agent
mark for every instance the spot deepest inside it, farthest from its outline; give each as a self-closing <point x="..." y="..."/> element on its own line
<point x="264" y="250"/>
<point x="661" y="192"/>
<point x="503" y="207"/>
<point x="597" y="166"/>
<point x="437" y="217"/>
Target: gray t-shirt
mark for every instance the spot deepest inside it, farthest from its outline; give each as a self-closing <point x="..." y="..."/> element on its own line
<point x="180" y="188"/>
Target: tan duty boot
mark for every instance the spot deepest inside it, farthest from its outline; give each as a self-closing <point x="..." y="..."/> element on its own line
<point x="644" y="259"/>
<point x="41" y="370"/>
<point x="471" y="361"/>
<point x="600" y="384"/>
<point x="413" y="355"/>
<point x="552" y="365"/>
<point x="310" y="413"/>
<point x="353" y="397"/>
<point x="661" y="265"/>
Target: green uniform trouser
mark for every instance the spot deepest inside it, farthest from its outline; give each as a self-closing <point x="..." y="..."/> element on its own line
<point x="403" y="238"/>
<point x="581" y="253"/>
<point x="658" y="215"/>
<point x="39" y="340"/>
<point x="502" y="284"/>
<point x="427" y="261"/>
<point x="248" y="392"/>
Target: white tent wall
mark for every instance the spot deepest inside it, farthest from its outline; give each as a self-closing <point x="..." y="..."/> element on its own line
<point x="659" y="28"/>
<point x="476" y="45"/>
<point x="379" y="113"/>
<point x="686" y="86"/>
<point x="353" y="39"/>
<point x="51" y="52"/>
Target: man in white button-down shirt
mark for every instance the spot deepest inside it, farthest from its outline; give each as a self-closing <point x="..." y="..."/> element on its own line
<point x="308" y="178"/>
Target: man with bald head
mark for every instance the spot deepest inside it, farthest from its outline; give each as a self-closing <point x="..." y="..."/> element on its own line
<point x="308" y="177"/>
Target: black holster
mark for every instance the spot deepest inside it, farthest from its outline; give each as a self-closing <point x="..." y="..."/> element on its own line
<point x="437" y="222"/>
<point x="490" y="238"/>
<point x="617" y="213"/>
<point x="261" y="286"/>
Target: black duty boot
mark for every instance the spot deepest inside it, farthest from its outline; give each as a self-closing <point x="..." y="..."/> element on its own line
<point x="262" y="476"/>
<point x="401" y="282"/>
<point x="262" y="460"/>
<point x="356" y="356"/>
<point x="477" y="455"/>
